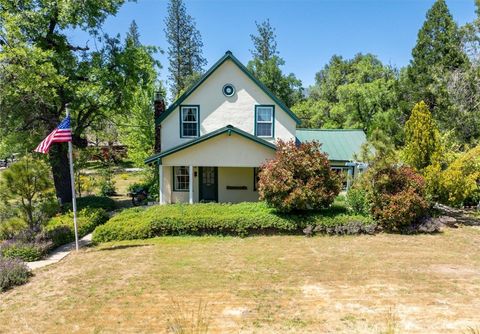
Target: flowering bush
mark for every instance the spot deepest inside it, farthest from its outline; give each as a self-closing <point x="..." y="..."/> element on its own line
<point x="397" y="196"/>
<point x="12" y="272"/>
<point x="298" y="178"/>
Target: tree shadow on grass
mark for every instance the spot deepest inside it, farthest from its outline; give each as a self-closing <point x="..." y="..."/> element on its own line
<point x="117" y="247"/>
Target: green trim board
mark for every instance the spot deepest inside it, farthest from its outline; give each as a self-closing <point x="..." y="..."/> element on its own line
<point x="181" y="120"/>
<point x="229" y="129"/>
<point x="341" y="145"/>
<point x="273" y="120"/>
<point x="228" y="56"/>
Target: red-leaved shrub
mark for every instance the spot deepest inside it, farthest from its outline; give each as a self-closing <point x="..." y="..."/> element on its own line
<point x="298" y="178"/>
<point x="397" y="196"/>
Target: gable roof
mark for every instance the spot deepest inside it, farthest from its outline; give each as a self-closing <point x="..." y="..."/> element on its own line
<point x="228" y="56"/>
<point x="227" y="129"/>
<point x="339" y="144"/>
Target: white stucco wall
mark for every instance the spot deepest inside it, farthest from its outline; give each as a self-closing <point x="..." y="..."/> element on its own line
<point x="170" y="196"/>
<point x="217" y="111"/>
<point x="224" y="151"/>
<point x="234" y="176"/>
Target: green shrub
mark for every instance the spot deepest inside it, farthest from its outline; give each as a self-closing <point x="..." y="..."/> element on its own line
<point x="11" y="227"/>
<point x="298" y="178"/>
<point x="24" y="251"/>
<point x="61" y="230"/>
<point x="212" y="218"/>
<point x="94" y="202"/>
<point x="357" y="202"/>
<point x="13" y="272"/>
<point x="106" y="182"/>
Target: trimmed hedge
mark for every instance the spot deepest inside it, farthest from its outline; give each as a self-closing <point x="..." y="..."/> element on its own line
<point x="94" y="202"/>
<point x="215" y="219"/>
<point x="28" y="252"/>
<point x="60" y="230"/>
<point x="13" y="272"/>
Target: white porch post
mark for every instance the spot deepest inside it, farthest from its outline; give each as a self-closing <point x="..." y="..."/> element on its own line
<point x="160" y="186"/>
<point x="190" y="184"/>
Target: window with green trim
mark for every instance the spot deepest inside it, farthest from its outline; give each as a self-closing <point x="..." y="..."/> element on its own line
<point x="264" y="121"/>
<point x="181" y="178"/>
<point x="189" y="122"/>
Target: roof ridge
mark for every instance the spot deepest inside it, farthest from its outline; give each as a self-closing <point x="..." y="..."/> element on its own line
<point x="319" y="129"/>
<point x="227" y="56"/>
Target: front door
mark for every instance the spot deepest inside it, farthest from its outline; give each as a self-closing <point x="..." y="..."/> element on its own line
<point x="208" y="184"/>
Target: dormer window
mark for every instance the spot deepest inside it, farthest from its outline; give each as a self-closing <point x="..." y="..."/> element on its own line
<point x="264" y="120"/>
<point x="189" y="116"/>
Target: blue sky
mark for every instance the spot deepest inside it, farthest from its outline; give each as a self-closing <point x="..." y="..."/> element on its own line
<point x="309" y="32"/>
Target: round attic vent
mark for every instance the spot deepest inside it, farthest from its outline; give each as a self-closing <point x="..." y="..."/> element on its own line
<point x="228" y="90"/>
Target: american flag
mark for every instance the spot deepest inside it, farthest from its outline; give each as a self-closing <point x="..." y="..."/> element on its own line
<point x="61" y="134"/>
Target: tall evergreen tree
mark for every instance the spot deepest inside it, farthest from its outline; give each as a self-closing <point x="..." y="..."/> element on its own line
<point x="137" y="129"/>
<point x="133" y="36"/>
<point x="437" y="52"/>
<point x="422" y="138"/>
<point x="266" y="64"/>
<point x="185" y="47"/>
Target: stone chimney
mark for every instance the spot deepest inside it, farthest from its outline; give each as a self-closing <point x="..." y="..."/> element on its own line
<point x="159" y="107"/>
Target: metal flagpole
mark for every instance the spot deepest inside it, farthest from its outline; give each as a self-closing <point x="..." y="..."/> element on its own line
<point x="72" y="180"/>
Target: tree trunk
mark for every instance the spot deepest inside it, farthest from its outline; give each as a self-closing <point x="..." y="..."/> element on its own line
<point x="61" y="172"/>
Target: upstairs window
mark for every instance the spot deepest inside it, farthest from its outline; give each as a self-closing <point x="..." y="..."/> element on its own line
<point x="189" y="121"/>
<point x="264" y="116"/>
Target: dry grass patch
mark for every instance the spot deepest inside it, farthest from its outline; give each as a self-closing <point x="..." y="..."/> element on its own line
<point x="280" y="284"/>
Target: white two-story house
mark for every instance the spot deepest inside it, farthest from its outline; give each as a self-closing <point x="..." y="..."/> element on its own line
<point x="216" y="135"/>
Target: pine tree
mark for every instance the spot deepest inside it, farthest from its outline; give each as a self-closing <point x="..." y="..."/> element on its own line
<point x="185" y="47"/>
<point x="137" y="129"/>
<point x="422" y="138"/>
<point x="133" y="36"/>
<point x="438" y="51"/>
<point x="266" y="64"/>
<point x="265" y="45"/>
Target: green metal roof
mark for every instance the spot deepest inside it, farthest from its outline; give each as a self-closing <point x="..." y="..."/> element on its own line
<point x="339" y="144"/>
<point x="227" y="129"/>
<point x="228" y="56"/>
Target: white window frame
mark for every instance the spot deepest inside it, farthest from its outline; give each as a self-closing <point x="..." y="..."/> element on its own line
<point x="197" y="114"/>
<point x="181" y="171"/>
<point x="271" y="121"/>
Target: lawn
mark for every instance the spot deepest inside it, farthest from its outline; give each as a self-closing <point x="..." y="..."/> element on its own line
<point x="266" y="284"/>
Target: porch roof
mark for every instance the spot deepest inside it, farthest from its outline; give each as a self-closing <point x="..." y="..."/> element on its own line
<point x="229" y="129"/>
<point x="339" y="144"/>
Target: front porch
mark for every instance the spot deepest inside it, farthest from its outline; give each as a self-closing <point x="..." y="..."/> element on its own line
<point x="194" y="184"/>
<point x="218" y="167"/>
